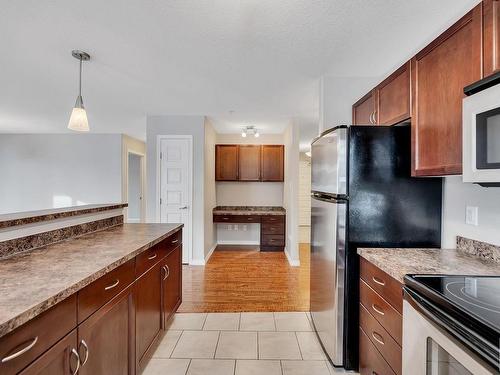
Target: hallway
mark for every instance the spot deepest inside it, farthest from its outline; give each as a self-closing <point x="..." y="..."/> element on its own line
<point x="239" y="280"/>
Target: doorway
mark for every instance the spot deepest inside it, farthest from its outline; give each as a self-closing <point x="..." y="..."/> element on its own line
<point x="175" y="161"/>
<point x="135" y="188"/>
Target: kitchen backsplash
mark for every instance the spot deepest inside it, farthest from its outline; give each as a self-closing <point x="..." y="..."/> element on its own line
<point x="481" y="249"/>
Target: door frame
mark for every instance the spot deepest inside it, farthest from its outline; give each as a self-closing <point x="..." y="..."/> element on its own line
<point x="142" y="182"/>
<point x="159" y="138"/>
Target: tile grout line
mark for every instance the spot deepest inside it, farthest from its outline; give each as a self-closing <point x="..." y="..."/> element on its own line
<point x="258" y="351"/>
<point x="239" y="325"/>
<point x="175" y="346"/>
<point x="281" y="366"/>
<point x="217" y="345"/>
<point x="189" y="365"/>
<point x="298" y="344"/>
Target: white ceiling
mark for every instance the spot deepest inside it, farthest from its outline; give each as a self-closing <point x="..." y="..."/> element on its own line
<point x="260" y="59"/>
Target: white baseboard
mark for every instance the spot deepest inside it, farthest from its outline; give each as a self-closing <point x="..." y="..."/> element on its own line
<point x="197" y="262"/>
<point x="292" y="262"/>
<point x="207" y="257"/>
<point x="238" y="242"/>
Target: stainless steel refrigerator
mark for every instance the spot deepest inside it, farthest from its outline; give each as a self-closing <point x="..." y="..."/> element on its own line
<point x="362" y="195"/>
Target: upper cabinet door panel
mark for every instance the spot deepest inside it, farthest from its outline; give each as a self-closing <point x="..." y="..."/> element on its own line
<point x="272" y="168"/>
<point x="393" y="97"/>
<point x="249" y="162"/>
<point x="491" y="27"/>
<point x="363" y="111"/>
<point x="441" y="70"/>
<point x="226" y="162"/>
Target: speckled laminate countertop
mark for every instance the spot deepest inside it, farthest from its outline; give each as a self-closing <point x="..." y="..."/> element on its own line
<point x="32" y="282"/>
<point x="249" y="210"/>
<point x="400" y="262"/>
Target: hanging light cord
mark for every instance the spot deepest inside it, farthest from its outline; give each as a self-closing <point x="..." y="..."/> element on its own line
<point x="80" y="83"/>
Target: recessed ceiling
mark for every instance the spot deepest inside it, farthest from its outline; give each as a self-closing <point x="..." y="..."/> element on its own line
<point x="260" y="59"/>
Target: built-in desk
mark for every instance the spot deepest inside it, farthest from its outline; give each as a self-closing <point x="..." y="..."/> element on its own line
<point x="272" y="222"/>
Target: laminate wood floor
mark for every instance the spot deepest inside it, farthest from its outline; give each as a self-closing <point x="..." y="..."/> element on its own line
<point x="237" y="279"/>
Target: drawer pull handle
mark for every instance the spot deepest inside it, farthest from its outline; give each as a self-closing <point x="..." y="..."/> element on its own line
<point x="377" y="309"/>
<point x="112" y="285"/>
<point x="77" y="356"/>
<point x="151" y="257"/>
<point x="20" y="352"/>
<point x="249" y="218"/>
<point x="378" y="281"/>
<point x="225" y="218"/>
<point x="175" y="241"/>
<point x="378" y="338"/>
<point x="167" y="272"/>
<point x="85" y="346"/>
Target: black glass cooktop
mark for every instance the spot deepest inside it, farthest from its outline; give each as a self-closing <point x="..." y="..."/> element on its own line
<point x="469" y="304"/>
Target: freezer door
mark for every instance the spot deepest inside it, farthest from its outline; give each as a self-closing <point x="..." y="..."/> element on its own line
<point x="328" y="234"/>
<point x="329" y="162"/>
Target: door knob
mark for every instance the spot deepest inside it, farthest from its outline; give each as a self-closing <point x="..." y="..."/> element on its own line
<point x="183" y="208"/>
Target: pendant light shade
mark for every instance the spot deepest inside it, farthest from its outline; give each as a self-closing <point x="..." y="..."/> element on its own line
<point x="78" y="120"/>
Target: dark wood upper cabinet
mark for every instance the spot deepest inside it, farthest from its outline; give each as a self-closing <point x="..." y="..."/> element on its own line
<point x="392" y="97"/>
<point x="249" y="162"/>
<point x="110" y="336"/>
<point x="363" y="111"/>
<point x="441" y="70"/>
<point x="171" y="284"/>
<point x="272" y="168"/>
<point x="226" y="162"/>
<point x="491" y="36"/>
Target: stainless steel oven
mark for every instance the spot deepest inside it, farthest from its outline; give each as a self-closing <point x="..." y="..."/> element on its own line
<point x="481" y="132"/>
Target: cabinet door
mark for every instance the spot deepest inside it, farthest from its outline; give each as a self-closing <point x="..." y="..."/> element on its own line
<point x="109" y="335"/>
<point x="272" y="168"/>
<point x="441" y="70"/>
<point x="226" y="162"/>
<point x="148" y="309"/>
<point x="172" y="284"/>
<point x="491" y="25"/>
<point x="363" y="111"/>
<point x="249" y="162"/>
<point x="393" y="97"/>
<point x="61" y="359"/>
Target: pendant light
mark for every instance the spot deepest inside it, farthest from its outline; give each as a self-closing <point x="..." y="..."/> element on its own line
<point x="78" y="120"/>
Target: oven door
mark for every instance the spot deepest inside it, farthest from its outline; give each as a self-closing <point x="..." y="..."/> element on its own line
<point x="481" y="137"/>
<point x="428" y="349"/>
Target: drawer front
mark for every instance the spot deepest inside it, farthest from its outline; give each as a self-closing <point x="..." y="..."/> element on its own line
<point x="95" y="295"/>
<point x="35" y="337"/>
<point x="273" y="219"/>
<point x="238" y="219"/>
<point x="371" y="361"/>
<point x="379" y="337"/>
<point x="383" y="312"/>
<point x="383" y="284"/>
<point x="273" y="228"/>
<point x="148" y="258"/>
<point x="272" y="240"/>
<point x="171" y="242"/>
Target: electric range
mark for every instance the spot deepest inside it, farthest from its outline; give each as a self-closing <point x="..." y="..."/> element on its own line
<point x="465" y="307"/>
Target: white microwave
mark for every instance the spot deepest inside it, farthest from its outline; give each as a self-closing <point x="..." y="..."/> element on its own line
<point x="481" y="132"/>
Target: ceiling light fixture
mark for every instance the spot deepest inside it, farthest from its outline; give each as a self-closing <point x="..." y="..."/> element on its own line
<point x="249" y="130"/>
<point x="78" y="120"/>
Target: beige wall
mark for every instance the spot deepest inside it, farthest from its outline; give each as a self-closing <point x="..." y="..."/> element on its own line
<point x="264" y="139"/>
<point x="136" y="146"/>
<point x="209" y="188"/>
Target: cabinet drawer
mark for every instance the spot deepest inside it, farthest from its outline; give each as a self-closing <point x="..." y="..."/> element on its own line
<point x="273" y="219"/>
<point x="272" y="240"/>
<point x="236" y="219"/>
<point x="172" y="241"/>
<point x="389" y="288"/>
<point x="383" y="312"/>
<point x="278" y="228"/>
<point x="379" y="337"/>
<point x="370" y="360"/>
<point x="36" y="336"/>
<point x="148" y="258"/>
<point x="95" y="295"/>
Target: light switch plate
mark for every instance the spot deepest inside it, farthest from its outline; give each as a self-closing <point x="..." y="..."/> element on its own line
<point x="472" y="215"/>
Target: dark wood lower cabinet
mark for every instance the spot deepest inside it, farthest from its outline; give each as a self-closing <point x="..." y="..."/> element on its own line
<point x="109" y="335"/>
<point x="61" y="359"/>
<point x="171" y="284"/>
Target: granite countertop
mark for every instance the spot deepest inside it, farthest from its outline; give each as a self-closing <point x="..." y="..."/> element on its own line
<point x="32" y="282"/>
<point x="399" y="262"/>
<point x="30" y="217"/>
<point x="249" y="210"/>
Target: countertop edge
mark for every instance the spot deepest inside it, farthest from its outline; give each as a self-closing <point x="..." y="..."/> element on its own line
<point x="36" y="310"/>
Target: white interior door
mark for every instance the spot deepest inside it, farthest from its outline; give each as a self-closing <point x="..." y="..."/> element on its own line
<point x="175" y="186"/>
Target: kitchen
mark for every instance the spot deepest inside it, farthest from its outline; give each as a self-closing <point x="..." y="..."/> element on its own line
<point x="210" y="274"/>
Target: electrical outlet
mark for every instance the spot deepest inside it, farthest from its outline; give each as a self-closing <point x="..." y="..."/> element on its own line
<point x="472" y="215"/>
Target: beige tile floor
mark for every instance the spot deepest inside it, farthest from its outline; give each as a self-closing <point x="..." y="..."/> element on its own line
<point x="240" y="344"/>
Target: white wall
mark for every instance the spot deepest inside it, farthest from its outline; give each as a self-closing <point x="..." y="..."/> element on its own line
<point x="179" y="125"/>
<point x="41" y="171"/>
<point x="134" y="188"/>
<point x="209" y="188"/>
<point x="458" y="195"/>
